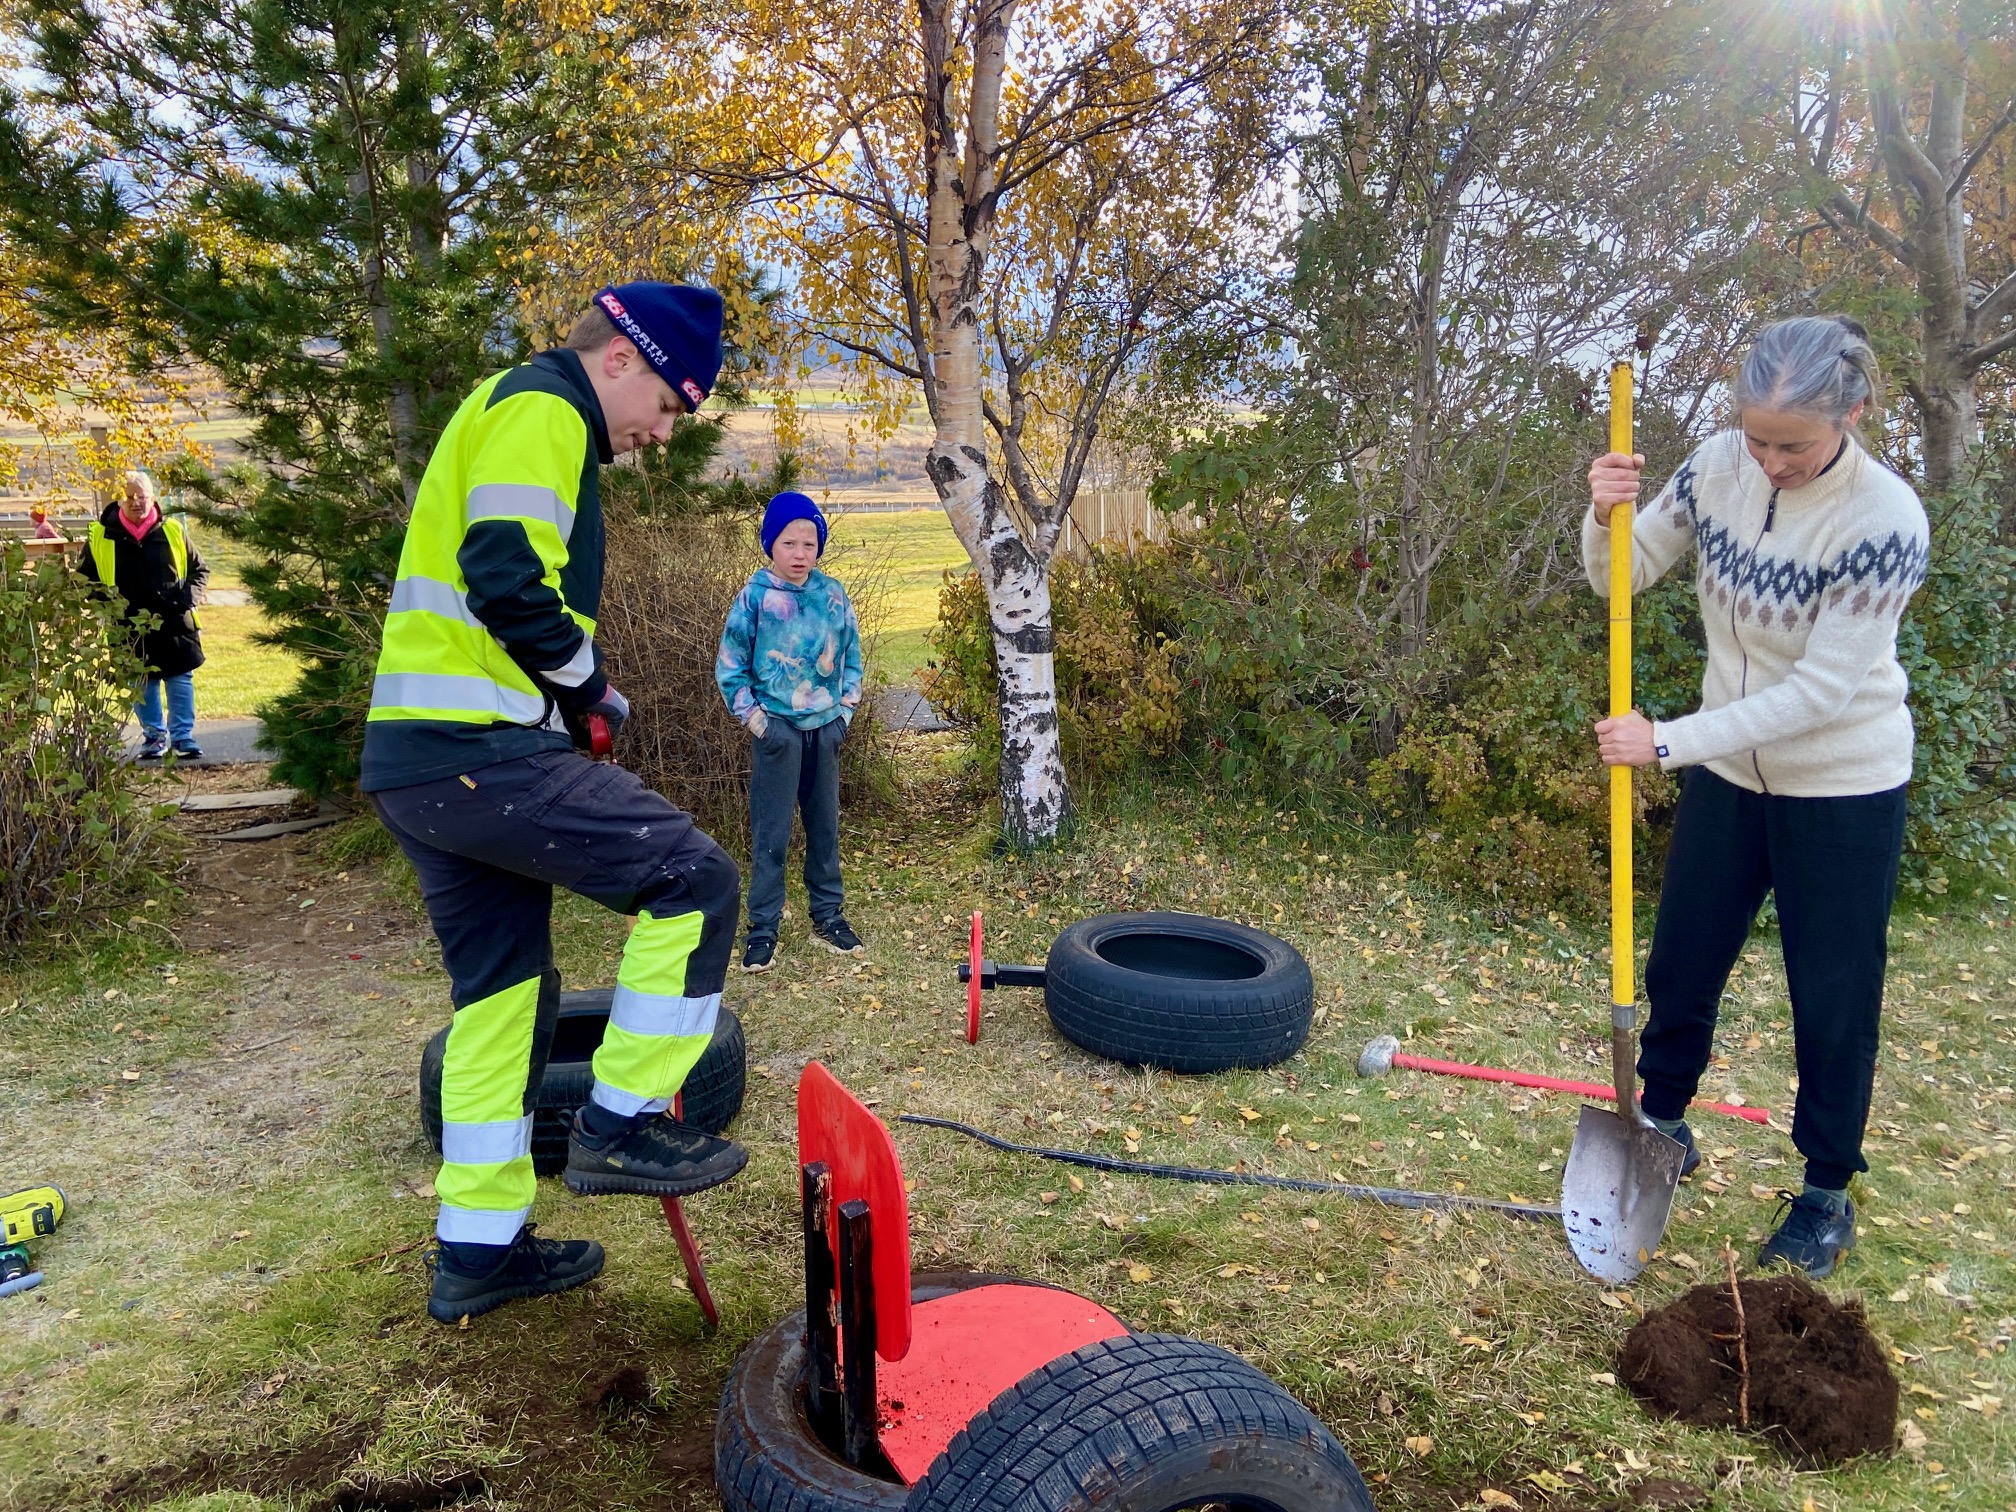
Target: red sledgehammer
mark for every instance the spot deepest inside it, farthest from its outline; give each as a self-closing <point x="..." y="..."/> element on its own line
<point x="1384" y="1053"/>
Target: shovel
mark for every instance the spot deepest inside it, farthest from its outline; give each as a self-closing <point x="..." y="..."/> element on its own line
<point x="1617" y="1187"/>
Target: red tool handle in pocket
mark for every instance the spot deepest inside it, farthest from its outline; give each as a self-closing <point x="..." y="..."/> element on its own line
<point x="600" y="742"/>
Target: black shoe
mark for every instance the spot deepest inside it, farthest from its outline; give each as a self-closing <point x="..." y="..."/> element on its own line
<point x="659" y="1157"/>
<point x="532" y="1268"/>
<point x="153" y="748"/>
<point x="1692" y="1158"/>
<point x="759" y="955"/>
<point x="1812" y="1236"/>
<point x="837" y="937"/>
<point x="189" y="751"/>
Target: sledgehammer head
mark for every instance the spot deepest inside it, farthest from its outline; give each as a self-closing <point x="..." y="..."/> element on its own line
<point x="1376" y="1059"/>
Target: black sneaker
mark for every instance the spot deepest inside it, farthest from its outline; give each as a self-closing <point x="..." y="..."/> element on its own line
<point x="837" y="937"/>
<point x="532" y="1268"/>
<point x="1812" y="1236"/>
<point x="1692" y="1158"/>
<point x="660" y="1157"/>
<point x="153" y="748"/>
<point x="759" y="955"/>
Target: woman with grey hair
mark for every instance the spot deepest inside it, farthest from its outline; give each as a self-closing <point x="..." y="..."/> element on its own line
<point x="146" y="559"/>
<point x="1807" y="550"/>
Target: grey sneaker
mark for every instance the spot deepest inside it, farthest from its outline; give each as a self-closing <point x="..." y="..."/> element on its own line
<point x="657" y="1157"/>
<point x="835" y="935"/>
<point x="1812" y="1236"/>
<point x="532" y="1268"/>
<point x="153" y="748"/>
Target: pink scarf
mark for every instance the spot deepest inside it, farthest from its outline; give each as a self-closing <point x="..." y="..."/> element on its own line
<point x="139" y="532"/>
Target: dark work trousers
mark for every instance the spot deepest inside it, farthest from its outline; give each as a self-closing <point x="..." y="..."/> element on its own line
<point x="489" y="847"/>
<point x="798" y="771"/>
<point x="1832" y="862"/>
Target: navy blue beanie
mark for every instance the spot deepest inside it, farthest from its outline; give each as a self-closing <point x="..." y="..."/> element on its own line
<point x="785" y="508"/>
<point x="675" y="327"/>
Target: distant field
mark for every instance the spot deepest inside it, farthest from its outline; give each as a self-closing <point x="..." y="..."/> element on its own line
<point x="897" y="558"/>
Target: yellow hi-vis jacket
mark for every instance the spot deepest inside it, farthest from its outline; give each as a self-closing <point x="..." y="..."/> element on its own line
<point x="491" y="629"/>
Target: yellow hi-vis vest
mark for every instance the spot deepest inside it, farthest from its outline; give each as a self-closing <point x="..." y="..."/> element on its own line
<point x="516" y="451"/>
<point x="104" y="554"/>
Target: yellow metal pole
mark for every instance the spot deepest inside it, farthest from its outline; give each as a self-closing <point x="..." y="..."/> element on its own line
<point x="1623" y="971"/>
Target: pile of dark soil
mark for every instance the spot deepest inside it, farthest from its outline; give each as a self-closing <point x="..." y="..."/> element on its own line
<point x="1819" y="1383"/>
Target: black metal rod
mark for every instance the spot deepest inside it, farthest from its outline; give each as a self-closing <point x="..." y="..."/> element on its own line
<point x="822" y="1337"/>
<point x="1391" y="1196"/>
<point x="1000" y="974"/>
<point x="858" y="1442"/>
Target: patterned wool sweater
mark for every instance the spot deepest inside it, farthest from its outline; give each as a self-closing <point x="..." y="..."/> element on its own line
<point x="1801" y="593"/>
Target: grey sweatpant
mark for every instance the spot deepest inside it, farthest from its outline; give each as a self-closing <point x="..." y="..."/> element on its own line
<point x="794" y="771"/>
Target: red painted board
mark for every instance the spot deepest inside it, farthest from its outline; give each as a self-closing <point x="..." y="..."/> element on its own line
<point x="968" y="1348"/>
<point x="833" y="1126"/>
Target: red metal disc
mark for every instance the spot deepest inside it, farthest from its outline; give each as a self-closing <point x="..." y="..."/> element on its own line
<point x="970" y="1347"/>
<point x="973" y="983"/>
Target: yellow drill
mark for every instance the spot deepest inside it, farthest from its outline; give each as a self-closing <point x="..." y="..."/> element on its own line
<point x="29" y="1214"/>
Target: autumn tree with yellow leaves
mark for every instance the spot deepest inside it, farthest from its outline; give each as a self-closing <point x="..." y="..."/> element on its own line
<point x="1006" y="207"/>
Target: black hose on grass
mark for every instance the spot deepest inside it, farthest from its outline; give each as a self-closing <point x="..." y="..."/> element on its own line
<point x="1391" y="1196"/>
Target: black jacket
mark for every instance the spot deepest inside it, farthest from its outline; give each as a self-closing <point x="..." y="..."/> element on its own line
<point x="144" y="576"/>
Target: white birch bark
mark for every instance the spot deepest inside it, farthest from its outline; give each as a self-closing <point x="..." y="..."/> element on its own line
<point x="1035" y="797"/>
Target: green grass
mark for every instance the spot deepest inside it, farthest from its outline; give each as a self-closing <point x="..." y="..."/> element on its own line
<point x="238" y="674"/>
<point x="905" y="554"/>
<point x="239" y="1278"/>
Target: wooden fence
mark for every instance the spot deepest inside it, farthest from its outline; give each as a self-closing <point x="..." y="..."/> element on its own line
<point x="1115" y="517"/>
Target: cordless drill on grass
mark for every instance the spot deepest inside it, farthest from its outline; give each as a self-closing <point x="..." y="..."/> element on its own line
<point x="24" y="1215"/>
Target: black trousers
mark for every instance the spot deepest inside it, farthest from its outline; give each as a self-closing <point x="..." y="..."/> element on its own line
<point x="489" y="847"/>
<point x="1832" y="863"/>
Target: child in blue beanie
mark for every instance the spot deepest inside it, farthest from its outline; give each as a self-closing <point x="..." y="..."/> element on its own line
<point x="790" y="668"/>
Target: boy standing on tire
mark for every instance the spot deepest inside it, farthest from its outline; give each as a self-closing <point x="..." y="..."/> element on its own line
<point x="489" y="690"/>
<point x="790" y="668"/>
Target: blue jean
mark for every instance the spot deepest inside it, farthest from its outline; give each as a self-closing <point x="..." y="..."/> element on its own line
<point x="181" y="708"/>
<point x="794" y="772"/>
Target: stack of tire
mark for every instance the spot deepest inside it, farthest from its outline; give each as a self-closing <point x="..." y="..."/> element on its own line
<point x="1141" y="1423"/>
<point x="710" y="1099"/>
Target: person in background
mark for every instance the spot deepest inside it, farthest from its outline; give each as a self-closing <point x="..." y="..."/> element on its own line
<point x="1807" y="551"/>
<point x="148" y="560"/>
<point x="790" y="668"/>
<point x="45" y="528"/>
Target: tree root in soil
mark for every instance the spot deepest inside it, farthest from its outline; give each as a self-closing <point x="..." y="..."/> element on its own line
<point x="1804" y="1369"/>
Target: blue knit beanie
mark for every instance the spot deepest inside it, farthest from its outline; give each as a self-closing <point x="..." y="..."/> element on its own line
<point x="675" y="327"/>
<point x="785" y="508"/>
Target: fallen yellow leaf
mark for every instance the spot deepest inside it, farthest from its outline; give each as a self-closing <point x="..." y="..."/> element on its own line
<point x="1139" y="1273"/>
<point x="1490" y="1496"/>
<point x="1421" y="1446"/>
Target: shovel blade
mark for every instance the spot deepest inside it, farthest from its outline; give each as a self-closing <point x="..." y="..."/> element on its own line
<point x="1617" y="1193"/>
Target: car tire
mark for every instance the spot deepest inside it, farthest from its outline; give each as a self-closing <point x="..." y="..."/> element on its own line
<point x="710" y="1099"/>
<point x="766" y="1456"/>
<point x="1143" y="1423"/>
<point x="1178" y="991"/>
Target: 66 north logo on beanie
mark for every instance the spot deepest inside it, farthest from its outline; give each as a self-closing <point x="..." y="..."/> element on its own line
<point x="676" y="328"/>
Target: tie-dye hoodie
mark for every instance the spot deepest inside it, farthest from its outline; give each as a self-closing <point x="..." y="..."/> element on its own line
<point x="796" y="650"/>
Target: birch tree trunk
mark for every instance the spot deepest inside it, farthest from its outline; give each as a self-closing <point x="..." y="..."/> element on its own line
<point x="962" y="189"/>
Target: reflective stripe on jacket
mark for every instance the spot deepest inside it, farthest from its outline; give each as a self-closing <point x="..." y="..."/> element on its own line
<point x="104" y="554"/>
<point x="492" y="618"/>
